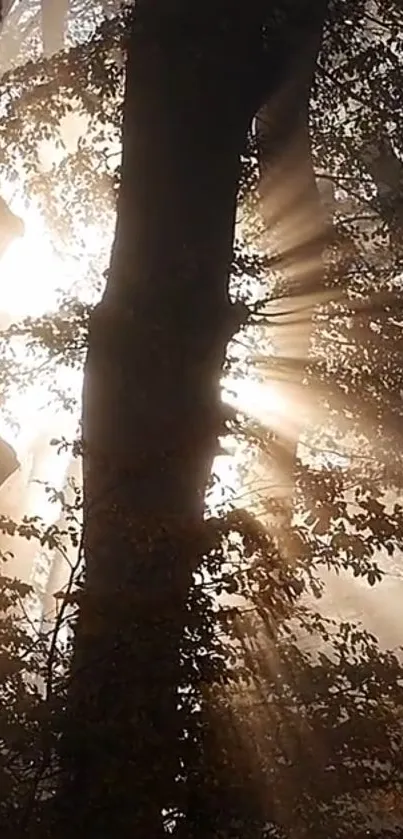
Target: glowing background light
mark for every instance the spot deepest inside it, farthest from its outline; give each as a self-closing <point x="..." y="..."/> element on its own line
<point x="32" y="275"/>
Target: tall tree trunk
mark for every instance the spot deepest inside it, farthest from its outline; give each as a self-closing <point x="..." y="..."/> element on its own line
<point x="53" y="22"/>
<point x="197" y="73"/>
<point x="152" y="405"/>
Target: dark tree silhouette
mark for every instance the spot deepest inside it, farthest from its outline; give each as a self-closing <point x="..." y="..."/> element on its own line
<point x="152" y="415"/>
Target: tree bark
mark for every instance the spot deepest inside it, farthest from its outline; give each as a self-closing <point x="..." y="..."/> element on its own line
<point x="53" y="23"/>
<point x="196" y="75"/>
<point x="152" y="410"/>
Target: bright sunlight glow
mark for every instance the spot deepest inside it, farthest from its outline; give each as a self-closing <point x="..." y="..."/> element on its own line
<point x="32" y="277"/>
<point x="31" y="273"/>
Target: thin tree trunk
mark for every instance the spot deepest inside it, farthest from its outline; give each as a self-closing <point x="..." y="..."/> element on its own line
<point x="53" y="22"/>
<point x="386" y="170"/>
<point x="61" y="562"/>
<point x="152" y="408"/>
<point x="5" y="6"/>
